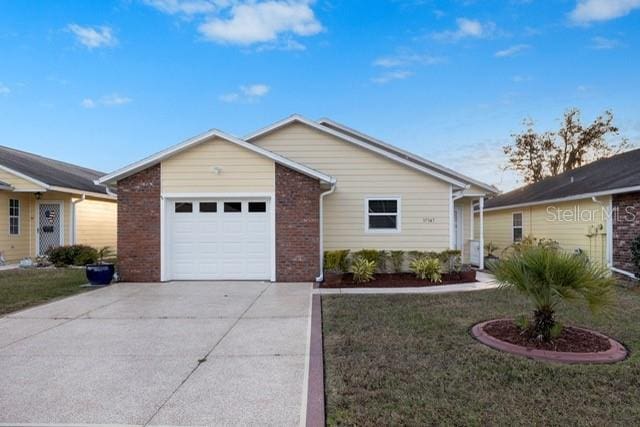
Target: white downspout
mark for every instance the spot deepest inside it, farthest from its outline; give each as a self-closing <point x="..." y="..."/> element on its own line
<point x="481" y="206"/>
<point x="320" y="278"/>
<point x="74" y="220"/>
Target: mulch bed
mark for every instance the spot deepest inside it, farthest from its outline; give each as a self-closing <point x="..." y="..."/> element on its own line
<point x="394" y="280"/>
<point x="571" y="340"/>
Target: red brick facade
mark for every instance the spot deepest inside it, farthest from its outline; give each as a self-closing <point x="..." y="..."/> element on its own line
<point x="139" y="226"/>
<point x="297" y="226"/>
<point x="626" y="227"/>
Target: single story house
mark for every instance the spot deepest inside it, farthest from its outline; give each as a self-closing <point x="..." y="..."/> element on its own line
<point x="46" y="203"/>
<point x="265" y="207"/>
<point x="594" y="209"/>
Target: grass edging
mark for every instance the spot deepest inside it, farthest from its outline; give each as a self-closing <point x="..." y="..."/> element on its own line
<point x="315" y="390"/>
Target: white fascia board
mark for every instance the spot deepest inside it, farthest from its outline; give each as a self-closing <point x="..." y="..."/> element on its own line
<point x="23" y="176"/>
<point x="86" y="193"/>
<point x="161" y="155"/>
<point x="568" y="198"/>
<point x="362" y="144"/>
<point x="403" y="152"/>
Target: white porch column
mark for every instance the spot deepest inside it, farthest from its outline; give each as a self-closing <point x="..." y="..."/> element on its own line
<point x="481" y="206"/>
<point x="472" y="215"/>
<point x="451" y="219"/>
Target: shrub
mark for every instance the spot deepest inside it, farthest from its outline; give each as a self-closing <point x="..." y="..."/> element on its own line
<point x="397" y="260"/>
<point x="548" y="277"/>
<point x="427" y="269"/>
<point x="490" y="248"/>
<point x="383" y="258"/>
<point x="635" y="254"/>
<point x="529" y="242"/>
<point x="72" y="255"/>
<point x="452" y="260"/>
<point x="414" y="255"/>
<point x="362" y="270"/>
<point x="369" y="254"/>
<point x="337" y="261"/>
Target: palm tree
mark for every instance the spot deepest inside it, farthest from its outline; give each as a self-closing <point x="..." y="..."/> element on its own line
<point x="548" y="276"/>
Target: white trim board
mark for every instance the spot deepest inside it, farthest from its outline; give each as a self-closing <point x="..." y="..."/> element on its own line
<point x="164" y="154"/>
<point x="300" y="119"/>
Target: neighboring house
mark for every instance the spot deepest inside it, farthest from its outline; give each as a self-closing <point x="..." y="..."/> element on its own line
<point x="575" y="208"/>
<point x="46" y="203"/>
<point x="266" y="206"/>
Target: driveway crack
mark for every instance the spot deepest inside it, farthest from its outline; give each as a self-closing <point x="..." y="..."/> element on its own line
<point x="204" y="359"/>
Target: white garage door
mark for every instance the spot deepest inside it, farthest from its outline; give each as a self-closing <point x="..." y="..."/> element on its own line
<point x="219" y="240"/>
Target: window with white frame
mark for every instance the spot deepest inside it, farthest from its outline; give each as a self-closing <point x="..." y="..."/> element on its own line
<point x="517" y="227"/>
<point x="14" y="216"/>
<point x="382" y="214"/>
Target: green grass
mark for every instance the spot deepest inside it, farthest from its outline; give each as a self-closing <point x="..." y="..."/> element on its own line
<point x="25" y="288"/>
<point x="409" y="360"/>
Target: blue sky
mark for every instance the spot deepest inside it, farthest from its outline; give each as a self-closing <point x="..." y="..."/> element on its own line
<point x="105" y="83"/>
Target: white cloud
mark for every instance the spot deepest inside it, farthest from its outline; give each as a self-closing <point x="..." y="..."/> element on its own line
<point x="603" y="43"/>
<point x="511" y="51"/>
<point x="588" y="11"/>
<point x="4" y="90"/>
<point x="88" y="103"/>
<point x="246" y="93"/>
<point x="467" y="28"/>
<point x="521" y="79"/>
<point x="262" y="22"/>
<point x="112" y="100"/>
<point x="186" y="7"/>
<point x="405" y="59"/>
<point x="93" y="37"/>
<point x="391" y="76"/>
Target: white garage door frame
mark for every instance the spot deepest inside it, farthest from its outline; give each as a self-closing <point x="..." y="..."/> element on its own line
<point x="167" y="198"/>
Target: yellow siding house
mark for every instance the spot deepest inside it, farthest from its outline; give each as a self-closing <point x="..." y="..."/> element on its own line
<point x="46" y="203"/>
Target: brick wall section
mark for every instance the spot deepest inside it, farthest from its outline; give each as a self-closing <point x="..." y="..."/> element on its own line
<point x="626" y="227"/>
<point x="297" y="226"/>
<point x="139" y="226"/>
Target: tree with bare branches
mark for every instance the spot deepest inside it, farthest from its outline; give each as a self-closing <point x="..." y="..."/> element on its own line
<point x="536" y="155"/>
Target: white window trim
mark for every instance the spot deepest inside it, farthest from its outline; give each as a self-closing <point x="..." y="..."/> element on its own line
<point x="513" y="227"/>
<point x="14" y="216"/>
<point x="398" y="214"/>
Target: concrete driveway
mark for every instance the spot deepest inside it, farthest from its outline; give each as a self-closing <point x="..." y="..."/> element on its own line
<point x="184" y="353"/>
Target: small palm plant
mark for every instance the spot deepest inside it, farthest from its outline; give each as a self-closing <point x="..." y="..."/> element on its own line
<point x="548" y="277"/>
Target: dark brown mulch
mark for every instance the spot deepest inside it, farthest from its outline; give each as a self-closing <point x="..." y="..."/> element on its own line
<point x="394" y="280"/>
<point x="571" y="340"/>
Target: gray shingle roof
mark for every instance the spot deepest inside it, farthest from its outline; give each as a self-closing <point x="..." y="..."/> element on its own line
<point x="50" y="171"/>
<point x="611" y="174"/>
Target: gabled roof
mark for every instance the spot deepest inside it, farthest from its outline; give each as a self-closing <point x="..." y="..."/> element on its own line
<point x="164" y="154"/>
<point x="614" y="175"/>
<point x="406" y="154"/>
<point x="397" y="155"/>
<point x="49" y="173"/>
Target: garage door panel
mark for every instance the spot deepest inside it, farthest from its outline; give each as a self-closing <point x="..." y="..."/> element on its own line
<point x="219" y="245"/>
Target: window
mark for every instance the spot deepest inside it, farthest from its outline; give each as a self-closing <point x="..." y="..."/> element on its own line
<point x="257" y="207"/>
<point x="184" y="207"/>
<point x="517" y="227"/>
<point x="14" y="216"/>
<point x="233" y="207"/>
<point x="208" y="207"/>
<point x="382" y="215"/>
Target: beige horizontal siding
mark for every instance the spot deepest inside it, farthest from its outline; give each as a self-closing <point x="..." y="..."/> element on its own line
<point x="18" y="183"/>
<point x="15" y="247"/>
<point x="361" y="174"/>
<point x="96" y="223"/>
<point x="242" y="170"/>
<point x="543" y="221"/>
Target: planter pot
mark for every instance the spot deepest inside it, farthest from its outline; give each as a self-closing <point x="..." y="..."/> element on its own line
<point x="100" y="274"/>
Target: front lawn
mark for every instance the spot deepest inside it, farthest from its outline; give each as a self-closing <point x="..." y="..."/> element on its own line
<point x="25" y="288"/>
<point x="409" y="360"/>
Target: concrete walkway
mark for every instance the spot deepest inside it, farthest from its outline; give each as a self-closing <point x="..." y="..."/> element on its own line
<point x="187" y="353"/>
<point x="484" y="281"/>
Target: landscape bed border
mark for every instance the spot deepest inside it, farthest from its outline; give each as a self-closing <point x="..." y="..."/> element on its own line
<point x="616" y="353"/>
